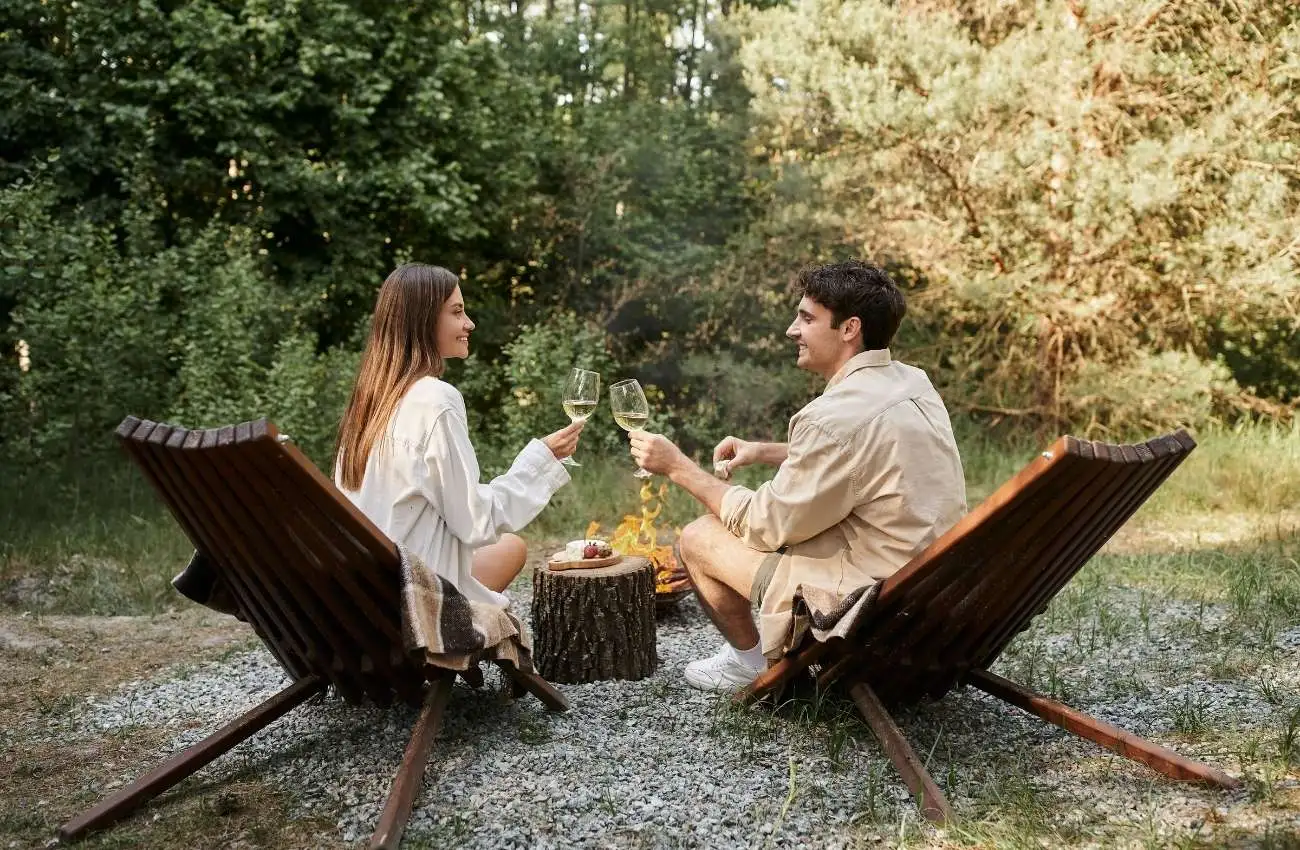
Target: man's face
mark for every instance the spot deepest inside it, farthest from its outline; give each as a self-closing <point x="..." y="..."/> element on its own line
<point x="820" y="345"/>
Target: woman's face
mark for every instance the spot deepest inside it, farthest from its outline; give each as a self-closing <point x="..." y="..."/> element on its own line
<point x="454" y="327"/>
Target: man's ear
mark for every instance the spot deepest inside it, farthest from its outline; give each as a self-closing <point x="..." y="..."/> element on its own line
<point x="851" y="329"/>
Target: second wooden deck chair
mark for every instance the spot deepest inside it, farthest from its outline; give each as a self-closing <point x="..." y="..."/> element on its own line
<point x="317" y="581"/>
<point x="945" y="617"/>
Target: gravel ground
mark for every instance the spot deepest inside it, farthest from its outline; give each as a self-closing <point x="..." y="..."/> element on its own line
<point x="655" y="763"/>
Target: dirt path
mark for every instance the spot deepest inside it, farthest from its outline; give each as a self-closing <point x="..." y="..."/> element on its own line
<point x="50" y="772"/>
<point x="1194" y="531"/>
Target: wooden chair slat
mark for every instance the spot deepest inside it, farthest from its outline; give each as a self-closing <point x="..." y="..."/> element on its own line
<point x="234" y="546"/>
<point x="313" y="576"/>
<point x="324" y="576"/>
<point x="1000" y="502"/>
<point x="347" y="558"/>
<point x="971" y="583"/>
<point x="314" y="485"/>
<point x="349" y="515"/>
<point x="246" y="553"/>
<point x="319" y="491"/>
<point x="247" y="529"/>
<point x="273" y="539"/>
<point x="966" y="567"/>
<point x="376" y="564"/>
<point x="971" y="592"/>
<point x="196" y="524"/>
<point x="1117" y="504"/>
<point x="127" y="427"/>
<point x="1073" y="524"/>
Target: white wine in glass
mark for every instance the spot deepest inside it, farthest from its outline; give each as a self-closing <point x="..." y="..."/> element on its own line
<point x="631" y="421"/>
<point x="631" y="410"/>
<point x="579" y="409"/>
<point x="581" y="394"/>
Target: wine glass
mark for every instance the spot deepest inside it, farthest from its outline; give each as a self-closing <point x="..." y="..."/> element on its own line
<point x="581" y="392"/>
<point x="631" y="410"/>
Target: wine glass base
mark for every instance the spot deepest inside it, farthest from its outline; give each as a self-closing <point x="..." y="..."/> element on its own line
<point x="641" y="473"/>
<point x="569" y="461"/>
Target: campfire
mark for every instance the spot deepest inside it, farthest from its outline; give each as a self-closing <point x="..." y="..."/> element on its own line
<point x="638" y="535"/>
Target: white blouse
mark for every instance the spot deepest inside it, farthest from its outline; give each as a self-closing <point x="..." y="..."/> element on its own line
<point x="421" y="486"/>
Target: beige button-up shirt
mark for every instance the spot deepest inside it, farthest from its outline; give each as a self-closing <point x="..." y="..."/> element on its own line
<point x="873" y="477"/>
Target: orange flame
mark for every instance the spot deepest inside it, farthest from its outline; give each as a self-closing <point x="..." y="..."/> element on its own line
<point x="638" y="535"/>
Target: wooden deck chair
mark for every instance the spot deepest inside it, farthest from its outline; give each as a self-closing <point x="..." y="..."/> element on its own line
<point x="317" y="581"/>
<point x="942" y="620"/>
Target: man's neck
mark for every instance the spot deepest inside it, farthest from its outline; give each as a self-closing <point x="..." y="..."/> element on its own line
<point x="847" y="355"/>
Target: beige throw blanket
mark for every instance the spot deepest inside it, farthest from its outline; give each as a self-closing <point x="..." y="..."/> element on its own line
<point x="440" y="627"/>
<point x="827" y="615"/>
<point x="443" y="628"/>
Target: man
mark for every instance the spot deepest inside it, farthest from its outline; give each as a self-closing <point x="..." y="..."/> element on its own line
<point x="869" y="478"/>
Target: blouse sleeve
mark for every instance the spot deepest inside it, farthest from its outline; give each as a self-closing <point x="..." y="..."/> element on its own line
<point x="477" y="514"/>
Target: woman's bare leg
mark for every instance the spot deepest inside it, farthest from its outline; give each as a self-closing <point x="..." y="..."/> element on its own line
<point x="497" y="564"/>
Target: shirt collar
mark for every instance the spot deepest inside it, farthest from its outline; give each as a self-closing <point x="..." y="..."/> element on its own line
<point x="862" y="360"/>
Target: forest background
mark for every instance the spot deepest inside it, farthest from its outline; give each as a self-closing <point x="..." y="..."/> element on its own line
<point x="1093" y="207"/>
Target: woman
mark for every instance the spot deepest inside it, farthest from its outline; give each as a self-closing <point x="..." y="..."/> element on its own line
<point x="404" y="456"/>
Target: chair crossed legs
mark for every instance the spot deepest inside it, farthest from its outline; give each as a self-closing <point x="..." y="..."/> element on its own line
<point x="317" y="581"/>
<point x="945" y="617"/>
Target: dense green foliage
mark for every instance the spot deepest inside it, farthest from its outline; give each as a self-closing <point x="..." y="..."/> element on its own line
<point x="1098" y="202"/>
<point x="204" y="196"/>
<point x="1095" y="211"/>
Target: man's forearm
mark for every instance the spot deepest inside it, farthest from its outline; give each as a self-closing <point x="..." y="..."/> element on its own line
<point x="700" y="484"/>
<point x="773" y="453"/>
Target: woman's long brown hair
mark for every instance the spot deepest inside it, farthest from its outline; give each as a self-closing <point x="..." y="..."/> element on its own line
<point x="402" y="349"/>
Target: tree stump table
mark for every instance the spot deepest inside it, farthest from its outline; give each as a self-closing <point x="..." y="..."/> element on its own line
<point x="594" y="624"/>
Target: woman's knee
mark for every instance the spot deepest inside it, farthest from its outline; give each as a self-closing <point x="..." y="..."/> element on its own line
<point x="517" y="549"/>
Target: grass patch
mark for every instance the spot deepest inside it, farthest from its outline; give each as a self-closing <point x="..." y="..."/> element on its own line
<point x="97" y="541"/>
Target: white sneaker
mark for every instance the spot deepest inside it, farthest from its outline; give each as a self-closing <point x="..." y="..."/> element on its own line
<point x="726" y="671"/>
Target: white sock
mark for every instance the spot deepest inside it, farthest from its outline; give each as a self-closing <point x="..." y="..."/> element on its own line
<point x="753" y="656"/>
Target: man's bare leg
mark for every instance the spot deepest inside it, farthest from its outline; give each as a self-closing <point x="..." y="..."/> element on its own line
<point x="497" y="564"/>
<point x="722" y="570"/>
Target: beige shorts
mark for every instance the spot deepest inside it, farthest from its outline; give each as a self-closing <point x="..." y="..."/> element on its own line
<point x="763" y="577"/>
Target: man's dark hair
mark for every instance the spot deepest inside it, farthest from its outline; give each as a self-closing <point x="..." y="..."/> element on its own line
<point x="857" y="289"/>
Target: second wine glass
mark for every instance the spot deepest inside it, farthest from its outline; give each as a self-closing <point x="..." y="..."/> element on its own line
<point x="631" y="410"/>
<point x="581" y="393"/>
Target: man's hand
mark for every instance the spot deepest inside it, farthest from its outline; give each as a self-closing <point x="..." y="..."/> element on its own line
<point x="656" y="453"/>
<point x="733" y="453"/>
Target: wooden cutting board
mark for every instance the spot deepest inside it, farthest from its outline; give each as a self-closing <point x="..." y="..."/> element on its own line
<point x="561" y="561"/>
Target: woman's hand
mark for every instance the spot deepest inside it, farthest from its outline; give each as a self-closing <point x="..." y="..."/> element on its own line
<point x="564" y="442"/>
<point x="733" y="453"/>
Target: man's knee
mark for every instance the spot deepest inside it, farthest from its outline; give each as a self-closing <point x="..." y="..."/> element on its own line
<point x="694" y="541"/>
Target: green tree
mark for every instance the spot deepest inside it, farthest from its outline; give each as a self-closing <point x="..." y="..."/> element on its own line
<point x="1095" y="206"/>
